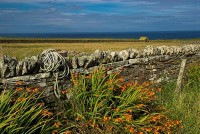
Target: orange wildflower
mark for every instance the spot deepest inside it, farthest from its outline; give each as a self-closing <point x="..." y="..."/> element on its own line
<point x="35" y="90"/>
<point x="107" y="69"/>
<point x="151" y="93"/>
<point x="56" y="124"/>
<point x="80" y="117"/>
<point x="154" y="119"/>
<point x="54" y="132"/>
<point x="157" y="128"/>
<point x="123" y="88"/>
<point x="63" y="91"/>
<point x="118" y="120"/>
<point x="151" y="82"/>
<point x="92" y="125"/>
<point x="181" y="126"/>
<point x="159" y="89"/>
<point x="159" y="116"/>
<point x="47" y="113"/>
<point x="41" y="104"/>
<point x="145" y="84"/>
<point x="129" y="110"/>
<point x="19" y="88"/>
<point x="128" y="117"/>
<point x="122" y="69"/>
<point x="117" y="109"/>
<point x="131" y="130"/>
<point x="129" y="84"/>
<point x="148" y="129"/>
<point x="156" y="131"/>
<point x="140" y="133"/>
<point x="106" y="119"/>
<point x="121" y="79"/>
<point x="67" y="132"/>
<point x="110" y="128"/>
<point x="19" y="83"/>
<point x="59" y="113"/>
<point x="21" y="99"/>
<point x="177" y="122"/>
<point x="28" y="90"/>
<point x="139" y="106"/>
<point x="88" y="76"/>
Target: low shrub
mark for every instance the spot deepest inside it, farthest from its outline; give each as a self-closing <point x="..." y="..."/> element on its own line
<point x="104" y="103"/>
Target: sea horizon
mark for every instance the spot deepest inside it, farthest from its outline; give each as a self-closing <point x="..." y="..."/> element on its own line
<point x="154" y="35"/>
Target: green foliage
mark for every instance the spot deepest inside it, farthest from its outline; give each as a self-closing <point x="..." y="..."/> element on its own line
<point x="102" y="104"/>
<point x="22" y="114"/>
<point x="193" y="75"/>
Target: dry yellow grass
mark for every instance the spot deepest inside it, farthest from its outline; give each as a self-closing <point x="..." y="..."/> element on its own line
<point x="21" y="50"/>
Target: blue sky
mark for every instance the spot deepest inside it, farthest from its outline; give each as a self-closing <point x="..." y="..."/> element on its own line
<point x="35" y="16"/>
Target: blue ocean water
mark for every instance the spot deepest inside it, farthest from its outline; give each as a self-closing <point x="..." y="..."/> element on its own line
<point x="150" y="35"/>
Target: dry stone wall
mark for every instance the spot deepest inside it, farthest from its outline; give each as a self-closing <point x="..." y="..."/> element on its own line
<point x="150" y="64"/>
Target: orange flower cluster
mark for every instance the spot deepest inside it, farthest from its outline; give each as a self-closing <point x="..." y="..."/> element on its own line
<point x="110" y="128"/>
<point x="118" y="120"/>
<point x="33" y="90"/>
<point x="121" y="79"/>
<point x="18" y="83"/>
<point x="138" y="106"/>
<point x="125" y="86"/>
<point x="79" y="117"/>
<point x="54" y="132"/>
<point x="21" y="99"/>
<point x="149" y="93"/>
<point x="88" y="76"/>
<point x="147" y="129"/>
<point x="106" y="119"/>
<point x="67" y="132"/>
<point x="19" y="88"/>
<point x="57" y="124"/>
<point x="128" y="117"/>
<point x="161" y="123"/>
<point x="131" y="129"/>
<point x="46" y="113"/>
<point x="156" y="118"/>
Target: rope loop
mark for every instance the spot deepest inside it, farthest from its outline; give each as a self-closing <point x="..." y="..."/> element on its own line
<point x="52" y="61"/>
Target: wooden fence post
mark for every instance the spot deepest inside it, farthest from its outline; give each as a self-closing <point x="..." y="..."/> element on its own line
<point x="180" y="76"/>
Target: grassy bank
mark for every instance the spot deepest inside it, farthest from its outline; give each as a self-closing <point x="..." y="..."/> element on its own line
<point x="185" y="105"/>
<point x="21" y="50"/>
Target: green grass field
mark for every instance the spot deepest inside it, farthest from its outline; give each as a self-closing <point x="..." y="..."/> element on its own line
<point x="21" y="50"/>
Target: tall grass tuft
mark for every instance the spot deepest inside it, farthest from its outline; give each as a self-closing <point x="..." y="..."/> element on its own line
<point x="22" y="113"/>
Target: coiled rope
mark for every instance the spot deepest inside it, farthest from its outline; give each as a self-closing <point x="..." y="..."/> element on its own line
<point x="53" y="62"/>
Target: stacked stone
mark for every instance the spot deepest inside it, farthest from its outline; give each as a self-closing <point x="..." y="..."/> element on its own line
<point x="12" y="67"/>
<point x="105" y="57"/>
